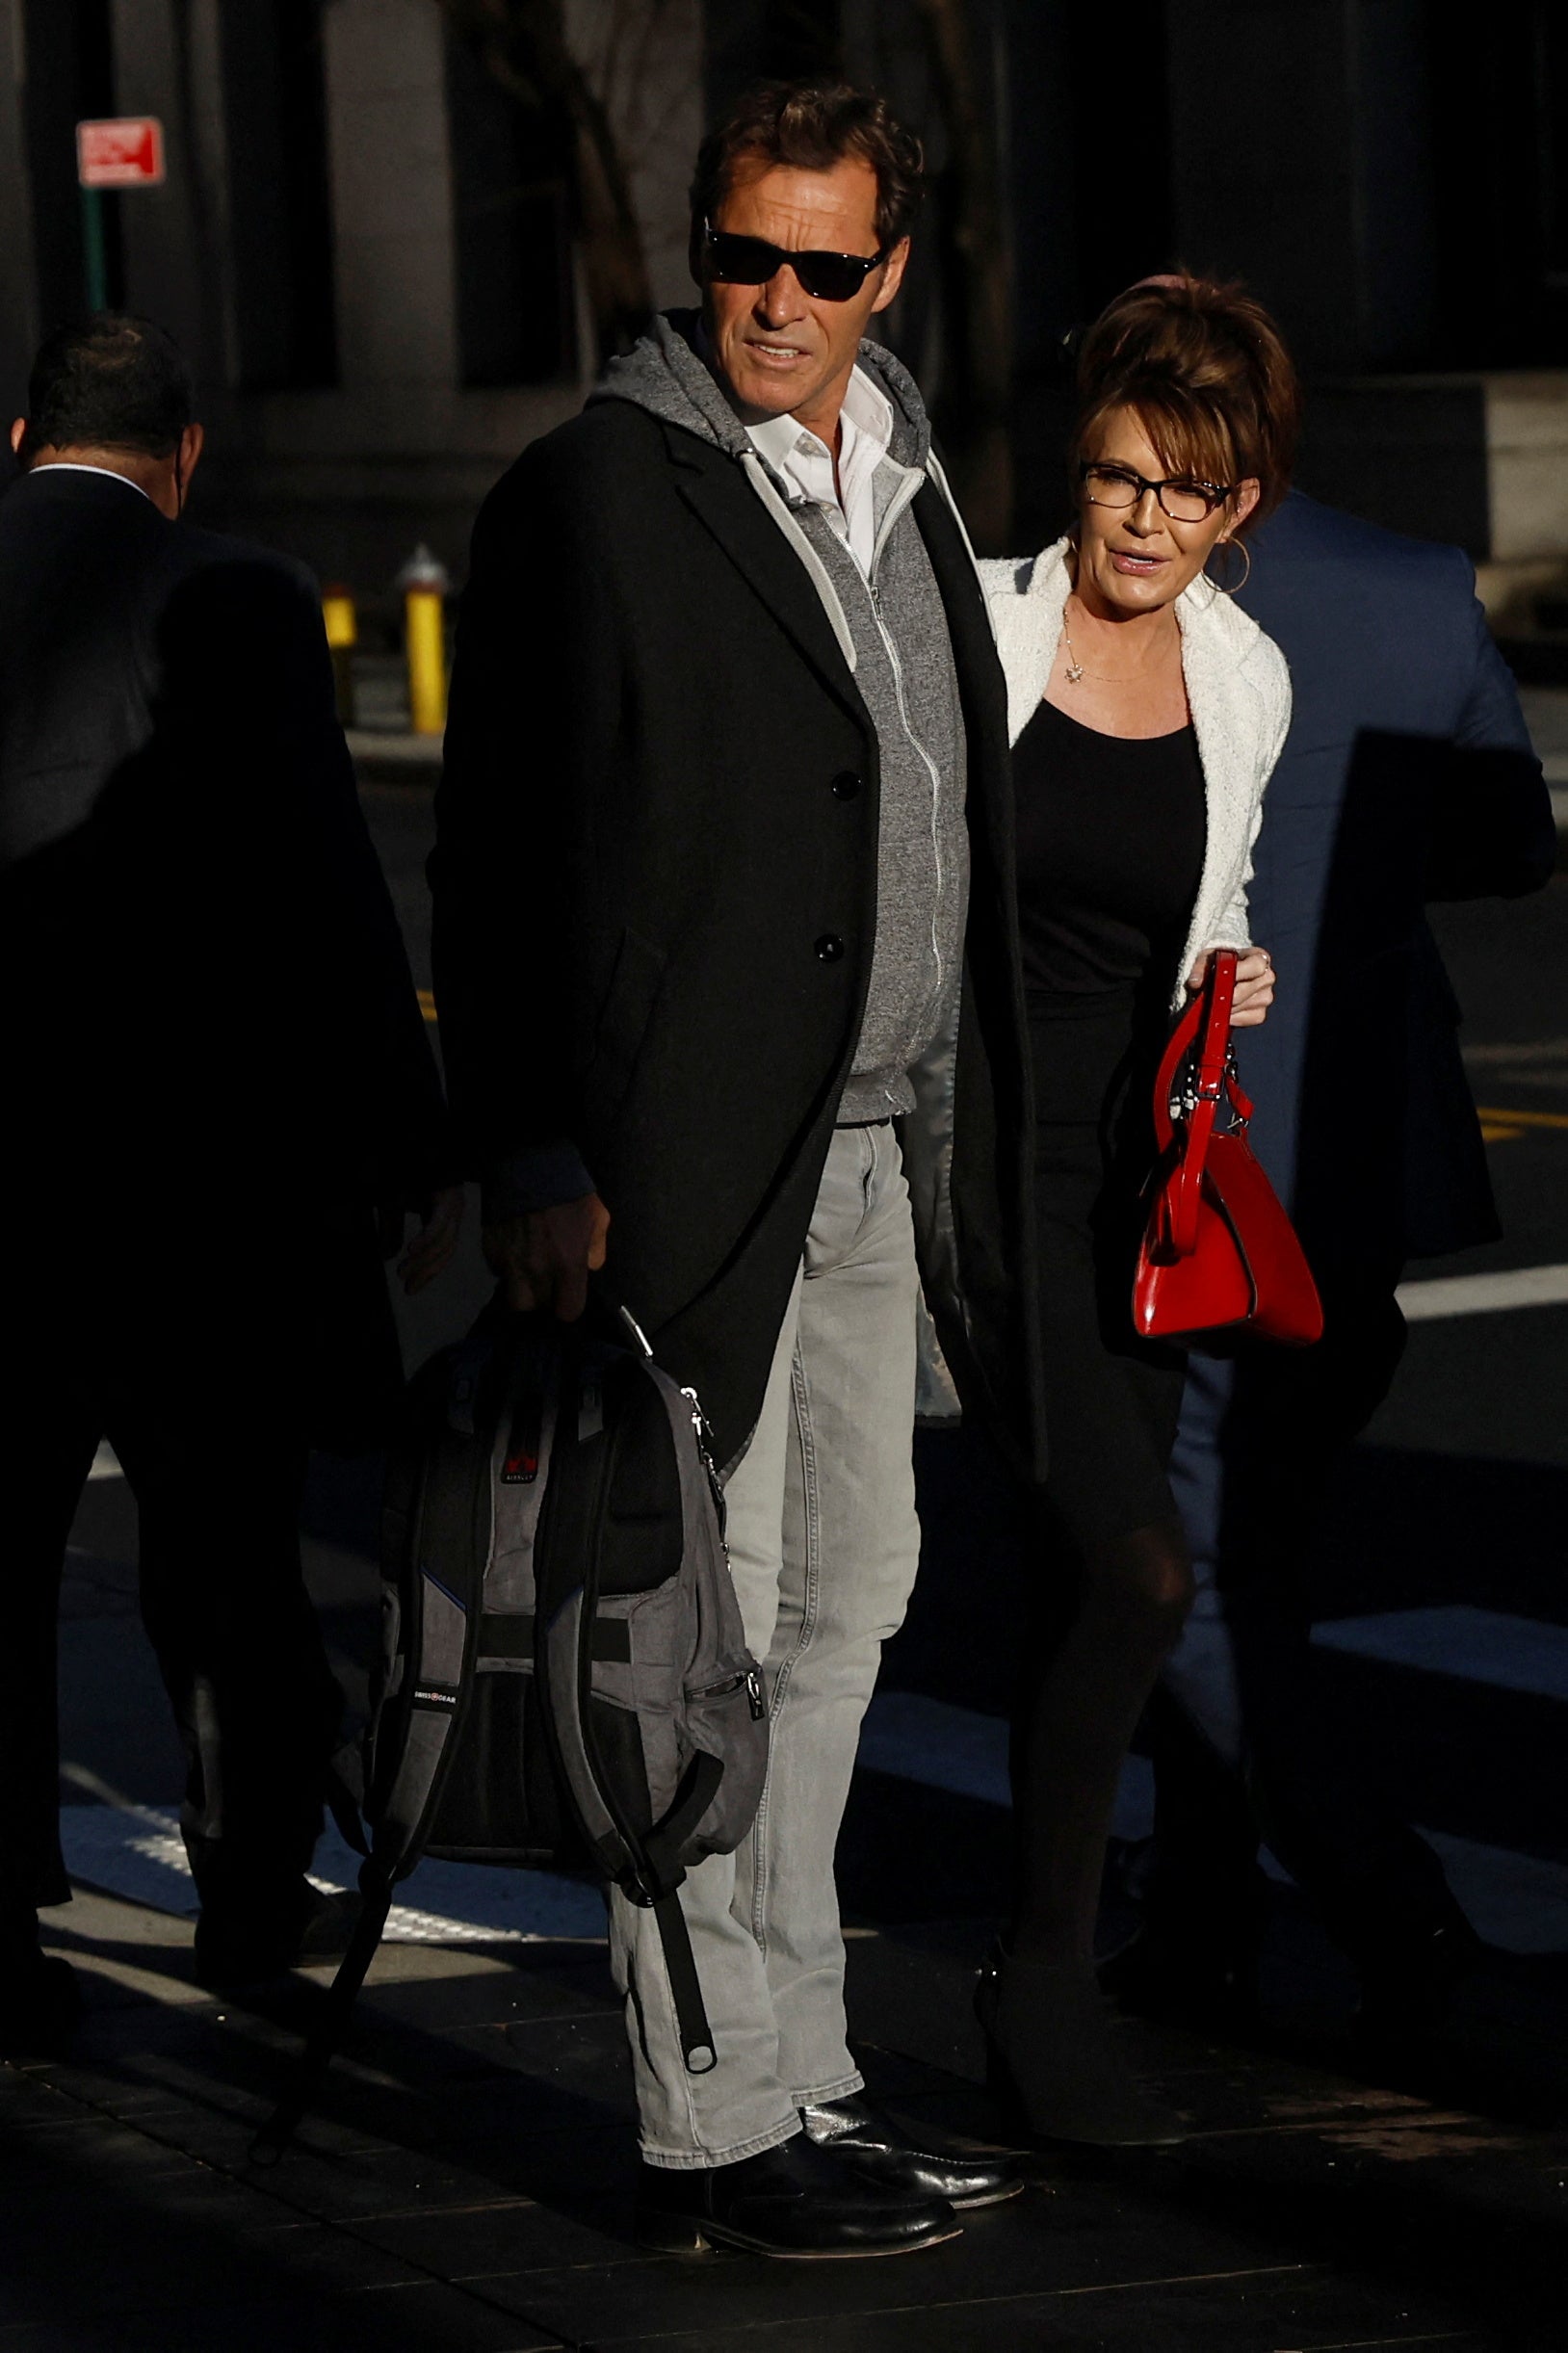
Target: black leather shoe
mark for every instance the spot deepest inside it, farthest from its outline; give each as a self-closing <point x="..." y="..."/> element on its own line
<point x="796" y="2201"/>
<point x="237" y="1946"/>
<point x="39" y="1999"/>
<point x="1407" y="1989"/>
<point x="1205" y="1985"/>
<point x="1473" y="2024"/>
<point x="41" y="2004"/>
<point x="858" y="2133"/>
<point x="1054" y="2062"/>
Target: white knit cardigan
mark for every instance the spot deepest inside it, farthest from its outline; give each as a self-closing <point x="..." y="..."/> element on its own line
<point x="1237" y="689"/>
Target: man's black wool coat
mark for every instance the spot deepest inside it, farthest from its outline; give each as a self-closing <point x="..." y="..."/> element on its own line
<point x="656" y="893"/>
<point x="217" y="1049"/>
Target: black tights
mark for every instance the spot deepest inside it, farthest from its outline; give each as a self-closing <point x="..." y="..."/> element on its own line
<point x="1133" y="1594"/>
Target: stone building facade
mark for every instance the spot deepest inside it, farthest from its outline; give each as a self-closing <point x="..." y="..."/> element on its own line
<point x="366" y="244"/>
<point x="359" y="242"/>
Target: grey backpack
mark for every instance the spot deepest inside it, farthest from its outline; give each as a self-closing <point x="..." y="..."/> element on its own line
<point x="564" y="1680"/>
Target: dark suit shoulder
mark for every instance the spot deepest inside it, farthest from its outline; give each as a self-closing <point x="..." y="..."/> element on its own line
<point x="59" y="509"/>
<point x="191" y="548"/>
<point x="58" y="519"/>
<point x="1305" y="528"/>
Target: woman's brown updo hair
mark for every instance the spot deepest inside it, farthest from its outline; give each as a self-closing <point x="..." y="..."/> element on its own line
<point x="1206" y="371"/>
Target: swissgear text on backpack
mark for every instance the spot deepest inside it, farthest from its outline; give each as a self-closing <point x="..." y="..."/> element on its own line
<point x="565" y="1679"/>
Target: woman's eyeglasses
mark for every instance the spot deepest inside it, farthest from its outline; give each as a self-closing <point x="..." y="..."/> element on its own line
<point x="751" y="261"/>
<point x="1183" y="500"/>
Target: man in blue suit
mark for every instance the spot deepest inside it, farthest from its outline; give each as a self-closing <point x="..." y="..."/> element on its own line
<point x="1407" y="776"/>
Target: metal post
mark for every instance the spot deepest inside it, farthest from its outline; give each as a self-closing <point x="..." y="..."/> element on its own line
<point x="94" y="255"/>
<point x="426" y="614"/>
<point x="341" y="636"/>
<point x="424" y="582"/>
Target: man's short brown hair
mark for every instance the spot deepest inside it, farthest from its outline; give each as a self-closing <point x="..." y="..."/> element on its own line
<point x="811" y="126"/>
<point x="112" y="383"/>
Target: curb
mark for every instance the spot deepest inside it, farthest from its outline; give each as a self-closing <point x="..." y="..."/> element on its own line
<point x="393" y="759"/>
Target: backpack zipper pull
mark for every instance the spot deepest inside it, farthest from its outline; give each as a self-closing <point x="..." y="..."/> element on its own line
<point x="703" y="1431"/>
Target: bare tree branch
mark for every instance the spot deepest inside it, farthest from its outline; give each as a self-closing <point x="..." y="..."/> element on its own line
<point x="522" y="43"/>
<point x="978" y="341"/>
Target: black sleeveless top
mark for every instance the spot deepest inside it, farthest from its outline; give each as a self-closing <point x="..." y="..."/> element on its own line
<point x="1111" y="834"/>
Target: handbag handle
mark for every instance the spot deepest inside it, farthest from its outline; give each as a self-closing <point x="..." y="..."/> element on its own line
<point x="1206" y="1028"/>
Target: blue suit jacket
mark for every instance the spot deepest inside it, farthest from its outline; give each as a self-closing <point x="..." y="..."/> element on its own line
<point x="1408" y="776"/>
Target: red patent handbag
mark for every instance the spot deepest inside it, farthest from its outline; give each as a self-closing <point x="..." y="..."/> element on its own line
<point x="1218" y="1250"/>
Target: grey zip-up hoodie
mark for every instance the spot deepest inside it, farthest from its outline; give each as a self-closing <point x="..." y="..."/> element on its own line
<point x="893" y="633"/>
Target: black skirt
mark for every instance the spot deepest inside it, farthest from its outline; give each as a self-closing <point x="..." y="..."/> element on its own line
<point x="1110" y="844"/>
<point x="1111" y="1399"/>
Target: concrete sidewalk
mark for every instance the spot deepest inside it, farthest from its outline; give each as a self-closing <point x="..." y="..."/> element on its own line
<point x="464" y="2185"/>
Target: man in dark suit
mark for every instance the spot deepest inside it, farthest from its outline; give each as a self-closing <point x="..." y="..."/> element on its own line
<point x="726" y="763"/>
<point x="217" y="1073"/>
<point x="1407" y="776"/>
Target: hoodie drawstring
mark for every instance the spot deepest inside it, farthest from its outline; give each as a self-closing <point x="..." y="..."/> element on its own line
<point x="822" y="580"/>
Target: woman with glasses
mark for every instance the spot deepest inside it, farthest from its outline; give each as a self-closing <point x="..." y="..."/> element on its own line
<point x="1146" y="711"/>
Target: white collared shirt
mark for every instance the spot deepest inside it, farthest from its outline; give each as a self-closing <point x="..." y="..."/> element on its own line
<point x="72" y="465"/>
<point x="805" y="463"/>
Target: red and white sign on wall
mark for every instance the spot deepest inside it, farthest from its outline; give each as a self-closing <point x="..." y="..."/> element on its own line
<point x="127" y="153"/>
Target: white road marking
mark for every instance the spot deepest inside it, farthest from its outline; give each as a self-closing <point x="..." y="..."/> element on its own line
<point x="1511" y="1654"/>
<point x="134" y="1852"/>
<point x="939" y="1745"/>
<point x="1515" y="1900"/>
<point x="137" y="1852"/>
<point x="964" y="1752"/>
<point x="1526" y="1055"/>
<point x="1484" y="1295"/>
<point x="106" y="1463"/>
<point x="406" y="750"/>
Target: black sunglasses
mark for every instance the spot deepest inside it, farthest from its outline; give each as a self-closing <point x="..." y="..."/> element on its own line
<point x="751" y="261"/>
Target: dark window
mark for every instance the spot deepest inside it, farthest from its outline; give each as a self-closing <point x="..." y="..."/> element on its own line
<point x="280" y="216"/>
<point x="1123" y="195"/>
<point x="754" y="41"/>
<point x="511" y="187"/>
<point x="1552" y="146"/>
<point x="1501" y="153"/>
<point x="71" y="78"/>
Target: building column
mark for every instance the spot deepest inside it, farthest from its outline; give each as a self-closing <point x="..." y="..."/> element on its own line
<point x="19" y="294"/>
<point x="169" y="233"/>
<point x="391" y="195"/>
<point x="1299" y="133"/>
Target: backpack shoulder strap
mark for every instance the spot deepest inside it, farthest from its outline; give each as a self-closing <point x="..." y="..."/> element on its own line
<point x="449" y="1546"/>
<point x="442" y="1583"/>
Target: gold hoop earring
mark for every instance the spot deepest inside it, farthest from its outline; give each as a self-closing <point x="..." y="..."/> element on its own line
<point x="1218" y="585"/>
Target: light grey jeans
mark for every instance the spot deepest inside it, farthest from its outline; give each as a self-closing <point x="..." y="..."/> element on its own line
<point x="823" y="1546"/>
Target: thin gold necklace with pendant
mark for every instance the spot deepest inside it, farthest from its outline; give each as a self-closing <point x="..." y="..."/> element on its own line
<point x="1075" y="670"/>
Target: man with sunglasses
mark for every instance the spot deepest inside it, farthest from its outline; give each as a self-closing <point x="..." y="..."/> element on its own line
<point x="726" y="766"/>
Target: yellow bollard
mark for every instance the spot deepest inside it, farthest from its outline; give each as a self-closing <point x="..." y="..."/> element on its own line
<point x="342" y="637"/>
<point x="424" y="582"/>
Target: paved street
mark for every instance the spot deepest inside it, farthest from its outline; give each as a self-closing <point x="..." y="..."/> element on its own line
<point x="464" y="2183"/>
